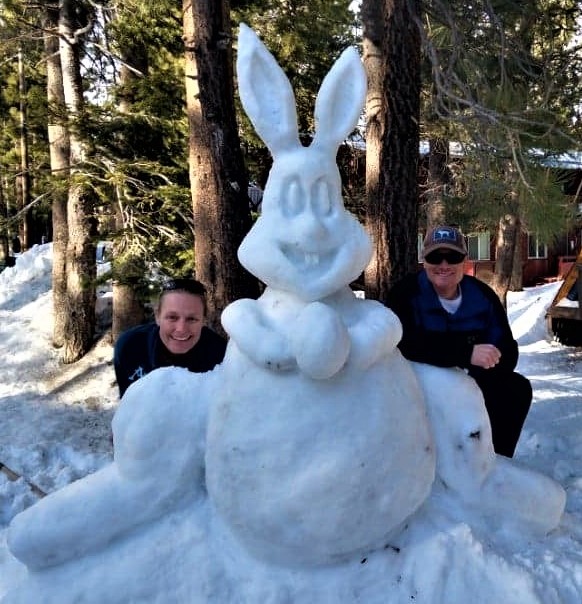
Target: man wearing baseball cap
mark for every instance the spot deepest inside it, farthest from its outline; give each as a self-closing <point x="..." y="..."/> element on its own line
<point x="450" y="319"/>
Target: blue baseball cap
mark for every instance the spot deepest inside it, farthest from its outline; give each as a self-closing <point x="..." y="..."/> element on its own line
<point x="444" y="237"/>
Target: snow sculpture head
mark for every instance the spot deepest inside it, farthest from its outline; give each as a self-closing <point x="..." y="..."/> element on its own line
<point x="314" y="245"/>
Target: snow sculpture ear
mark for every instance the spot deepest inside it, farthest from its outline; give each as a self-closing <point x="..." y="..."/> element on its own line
<point x="340" y="100"/>
<point x="266" y="93"/>
<point x="268" y="98"/>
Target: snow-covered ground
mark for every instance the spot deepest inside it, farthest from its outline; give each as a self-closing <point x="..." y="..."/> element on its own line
<point x="55" y="428"/>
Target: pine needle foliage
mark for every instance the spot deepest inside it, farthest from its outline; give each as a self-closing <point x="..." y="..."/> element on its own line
<point x="139" y="138"/>
<point x="505" y="84"/>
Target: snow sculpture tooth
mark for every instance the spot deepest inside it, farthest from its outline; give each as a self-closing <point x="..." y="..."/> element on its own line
<point x="311" y="259"/>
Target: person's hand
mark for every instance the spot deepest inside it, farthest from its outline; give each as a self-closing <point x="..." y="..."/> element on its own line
<point x="485" y="355"/>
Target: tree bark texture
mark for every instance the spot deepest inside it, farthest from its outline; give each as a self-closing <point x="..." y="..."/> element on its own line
<point x="58" y="137"/>
<point x="24" y="177"/>
<point x="80" y="257"/>
<point x="376" y="117"/>
<point x="516" y="283"/>
<point x="392" y="58"/>
<point x="507" y="240"/>
<point x="217" y="174"/>
<point x="437" y="179"/>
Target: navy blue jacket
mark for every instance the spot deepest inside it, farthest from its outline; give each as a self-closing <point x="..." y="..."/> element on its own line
<point x="140" y="350"/>
<point x="434" y="336"/>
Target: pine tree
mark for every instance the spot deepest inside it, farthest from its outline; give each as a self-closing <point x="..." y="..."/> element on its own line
<point x="503" y="77"/>
<point x="79" y="323"/>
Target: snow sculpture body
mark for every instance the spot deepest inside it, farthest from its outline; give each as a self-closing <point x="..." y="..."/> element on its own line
<point x="314" y="441"/>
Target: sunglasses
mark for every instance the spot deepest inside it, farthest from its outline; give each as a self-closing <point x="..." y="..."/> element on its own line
<point x="190" y="286"/>
<point x="450" y="256"/>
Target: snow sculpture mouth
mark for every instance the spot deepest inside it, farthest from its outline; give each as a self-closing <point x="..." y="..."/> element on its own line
<point x="309" y="261"/>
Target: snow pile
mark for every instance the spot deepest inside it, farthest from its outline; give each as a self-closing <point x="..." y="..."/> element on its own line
<point x="31" y="274"/>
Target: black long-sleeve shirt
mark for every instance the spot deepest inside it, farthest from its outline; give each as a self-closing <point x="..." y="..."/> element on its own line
<point x="140" y="350"/>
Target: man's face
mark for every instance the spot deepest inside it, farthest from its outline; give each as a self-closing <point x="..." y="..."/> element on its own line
<point x="180" y="317"/>
<point x="444" y="269"/>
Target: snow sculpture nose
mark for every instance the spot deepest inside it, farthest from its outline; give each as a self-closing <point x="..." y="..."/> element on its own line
<point x="311" y="227"/>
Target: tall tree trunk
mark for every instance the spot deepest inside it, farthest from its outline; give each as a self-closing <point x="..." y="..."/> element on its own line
<point x="217" y="174"/>
<point x="4" y="240"/>
<point x="81" y="269"/>
<point x="59" y="157"/>
<point x="437" y="177"/>
<point x="24" y="178"/>
<point x="392" y="57"/>
<point x="378" y="271"/>
<point x="516" y="283"/>
<point x="507" y="239"/>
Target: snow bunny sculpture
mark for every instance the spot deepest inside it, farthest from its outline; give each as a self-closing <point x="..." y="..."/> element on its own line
<point x="326" y="359"/>
<point x="315" y="440"/>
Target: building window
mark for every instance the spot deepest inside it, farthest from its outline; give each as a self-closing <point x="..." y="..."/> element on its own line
<point x="478" y="246"/>
<point x="535" y="248"/>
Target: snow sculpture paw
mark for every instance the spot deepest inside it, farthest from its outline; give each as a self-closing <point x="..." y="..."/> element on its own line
<point x="320" y="341"/>
<point x="495" y="488"/>
<point x="150" y="476"/>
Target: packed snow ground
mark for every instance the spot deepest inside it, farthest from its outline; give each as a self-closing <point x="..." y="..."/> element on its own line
<point x="55" y="428"/>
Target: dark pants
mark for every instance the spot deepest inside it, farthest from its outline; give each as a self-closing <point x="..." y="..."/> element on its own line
<point x="508" y="399"/>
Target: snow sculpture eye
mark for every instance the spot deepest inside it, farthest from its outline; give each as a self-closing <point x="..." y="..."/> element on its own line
<point x="321" y="203"/>
<point x="293" y="199"/>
